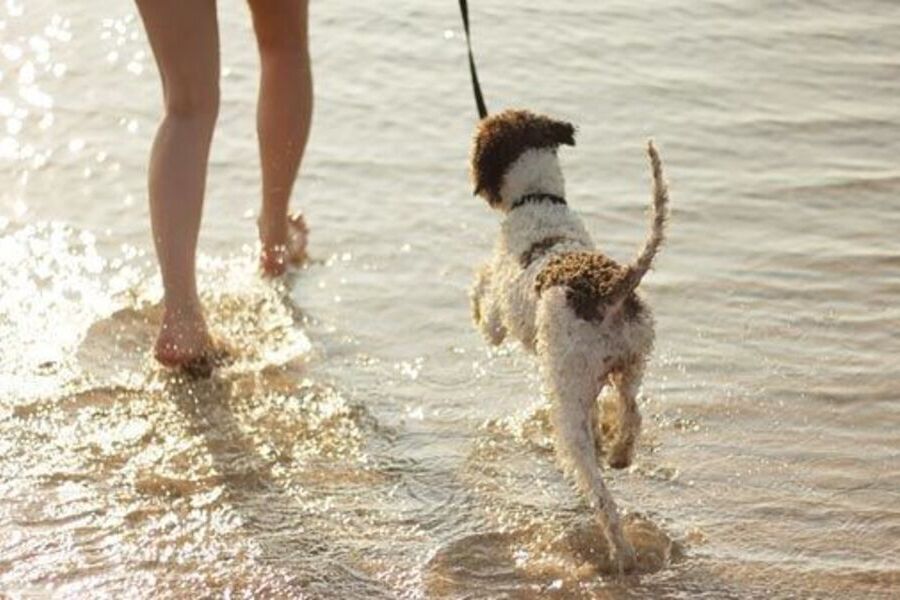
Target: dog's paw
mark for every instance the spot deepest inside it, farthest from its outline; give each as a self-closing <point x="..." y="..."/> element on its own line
<point x="620" y="457"/>
<point x="620" y="454"/>
<point x="620" y="464"/>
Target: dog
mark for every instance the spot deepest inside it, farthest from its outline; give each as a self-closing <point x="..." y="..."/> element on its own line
<point x="576" y="309"/>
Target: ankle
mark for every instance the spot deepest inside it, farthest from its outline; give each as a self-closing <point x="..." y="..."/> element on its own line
<point x="183" y="310"/>
<point x="272" y="231"/>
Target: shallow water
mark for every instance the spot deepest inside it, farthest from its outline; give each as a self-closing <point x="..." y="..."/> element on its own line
<point x="366" y="443"/>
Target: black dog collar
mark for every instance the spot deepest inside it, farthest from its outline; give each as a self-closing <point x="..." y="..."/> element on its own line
<point x="529" y="198"/>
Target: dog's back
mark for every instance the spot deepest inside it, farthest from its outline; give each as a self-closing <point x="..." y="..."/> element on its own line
<point x="598" y="289"/>
<point x="546" y="246"/>
<point x="591" y="280"/>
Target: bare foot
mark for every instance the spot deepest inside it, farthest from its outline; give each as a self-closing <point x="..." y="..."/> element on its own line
<point x="278" y="255"/>
<point x="184" y="343"/>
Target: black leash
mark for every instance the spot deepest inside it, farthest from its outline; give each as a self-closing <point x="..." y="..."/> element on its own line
<point x="479" y="98"/>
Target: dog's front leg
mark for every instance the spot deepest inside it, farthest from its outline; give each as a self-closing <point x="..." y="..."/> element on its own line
<point x="485" y="310"/>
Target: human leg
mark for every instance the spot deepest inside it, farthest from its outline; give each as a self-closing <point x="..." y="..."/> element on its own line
<point x="284" y="114"/>
<point x="185" y="42"/>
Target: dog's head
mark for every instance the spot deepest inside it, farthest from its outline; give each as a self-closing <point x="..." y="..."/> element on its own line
<point x="501" y="140"/>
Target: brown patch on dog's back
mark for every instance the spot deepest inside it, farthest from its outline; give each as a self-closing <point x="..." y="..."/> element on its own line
<point x="500" y="139"/>
<point x="539" y="248"/>
<point x="590" y="279"/>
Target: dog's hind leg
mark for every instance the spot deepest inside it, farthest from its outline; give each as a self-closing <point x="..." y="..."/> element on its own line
<point x="572" y="402"/>
<point x="572" y="379"/>
<point x="626" y="382"/>
<point x="599" y="428"/>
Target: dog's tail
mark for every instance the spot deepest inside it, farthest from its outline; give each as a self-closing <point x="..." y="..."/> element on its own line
<point x="635" y="272"/>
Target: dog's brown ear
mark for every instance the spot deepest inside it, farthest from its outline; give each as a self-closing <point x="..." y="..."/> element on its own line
<point x="563" y="133"/>
<point x="546" y="132"/>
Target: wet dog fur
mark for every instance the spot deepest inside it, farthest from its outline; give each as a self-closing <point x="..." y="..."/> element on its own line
<point x="576" y="309"/>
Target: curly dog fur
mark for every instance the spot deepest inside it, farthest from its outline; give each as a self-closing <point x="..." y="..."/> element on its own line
<point x="572" y="306"/>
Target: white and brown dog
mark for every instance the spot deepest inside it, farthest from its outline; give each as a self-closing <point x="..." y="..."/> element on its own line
<point x="576" y="309"/>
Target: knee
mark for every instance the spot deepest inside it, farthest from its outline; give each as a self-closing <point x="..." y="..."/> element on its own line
<point x="278" y="46"/>
<point x="287" y="58"/>
<point x="193" y="100"/>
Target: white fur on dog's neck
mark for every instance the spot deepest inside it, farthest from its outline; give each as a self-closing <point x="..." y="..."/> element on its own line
<point x="536" y="171"/>
<point x="538" y="221"/>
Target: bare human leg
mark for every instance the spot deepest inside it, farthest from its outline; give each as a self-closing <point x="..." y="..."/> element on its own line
<point x="284" y="114"/>
<point x="185" y="41"/>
